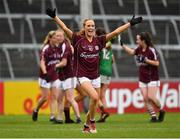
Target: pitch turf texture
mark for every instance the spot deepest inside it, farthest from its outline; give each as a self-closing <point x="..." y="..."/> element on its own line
<point x="117" y="126"/>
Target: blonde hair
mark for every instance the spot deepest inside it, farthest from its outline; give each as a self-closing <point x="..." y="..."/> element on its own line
<point x="65" y="36"/>
<point x="48" y="36"/>
<point x="81" y="32"/>
<point x="85" y="20"/>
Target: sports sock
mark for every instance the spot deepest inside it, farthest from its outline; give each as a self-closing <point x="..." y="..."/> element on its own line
<point x="35" y="110"/>
<point x="102" y="109"/>
<point x="151" y="111"/>
<point x="92" y="121"/>
<point x="67" y="113"/>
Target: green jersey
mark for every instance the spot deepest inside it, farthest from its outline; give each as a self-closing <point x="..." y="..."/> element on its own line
<point x="106" y="59"/>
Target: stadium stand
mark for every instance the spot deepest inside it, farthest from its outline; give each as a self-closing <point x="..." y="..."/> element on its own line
<point x="23" y="22"/>
<point x="4" y="72"/>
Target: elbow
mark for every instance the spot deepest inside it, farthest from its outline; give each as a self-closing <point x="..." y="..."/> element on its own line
<point x="116" y="33"/>
<point x="157" y="63"/>
<point x="64" y="64"/>
<point x="64" y="28"/>
<point x="131" y="53"/>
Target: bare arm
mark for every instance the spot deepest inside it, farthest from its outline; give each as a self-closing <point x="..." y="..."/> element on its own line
<point x="44" y="71"/>
<point x="52" y="14"/>
<point x="122" y="28"/>
<point x="62" y="64"/>
<point x="43" y="66"/>
<point x="63" y="26"/>
<point x="130" y="51"/>
<point x="117" y="31"/>
<point x="152" y="62"/>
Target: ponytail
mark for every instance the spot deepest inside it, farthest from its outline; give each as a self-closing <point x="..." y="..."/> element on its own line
<point x="48" y="36"/>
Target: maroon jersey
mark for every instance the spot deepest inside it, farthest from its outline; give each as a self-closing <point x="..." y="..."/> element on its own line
<point x="51" y="57"/>
<point x="147" y="72"/>
<point x="86" y="55"/>
<point x="66" y="52"/>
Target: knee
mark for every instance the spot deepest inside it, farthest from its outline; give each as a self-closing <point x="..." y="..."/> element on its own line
<point x="96" y="97"/>
<point x="146" y="100"/>
<point x="44" y="97"/>
<point x="53" y="96"/>
<point x="100" y="96"/>
<point x="60" y="100"/>
<point x="150" y="98"/>
<point x="68" y="99"/>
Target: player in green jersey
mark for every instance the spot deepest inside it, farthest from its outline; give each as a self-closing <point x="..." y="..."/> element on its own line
<point x="106" y="60"/>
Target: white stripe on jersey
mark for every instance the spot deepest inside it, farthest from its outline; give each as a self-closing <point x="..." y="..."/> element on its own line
<point x="45" y="47"/>
<point x="154" y="52"/>
<point x="63" y="49"/>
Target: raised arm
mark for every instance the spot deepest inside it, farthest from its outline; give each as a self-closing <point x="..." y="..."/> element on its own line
<point x="122" y="28"/>
<point x="117" y="31"/>
<point x="52" y="14"/>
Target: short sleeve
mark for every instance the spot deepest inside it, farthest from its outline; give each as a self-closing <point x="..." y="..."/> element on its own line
<point x="154" y="54"/>
<point x="75" y="39"/>
<point x="102" y="41"/>
<point x="44" y="53"/>
<point x="66" y="53"/>
<point x="136" y="50"/>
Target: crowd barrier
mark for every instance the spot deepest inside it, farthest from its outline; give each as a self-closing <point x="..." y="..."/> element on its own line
<point x="20" y="97"/>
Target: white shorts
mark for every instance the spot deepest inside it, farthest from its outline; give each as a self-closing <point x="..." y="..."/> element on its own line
<point x="105" y="79"/>
<point x="69" y="83"/>
<point x="96" y="83"/>
<point x="150" y="84"/>
<point x="43" y="83"/>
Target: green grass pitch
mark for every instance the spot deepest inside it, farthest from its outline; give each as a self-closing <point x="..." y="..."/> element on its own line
<point x="117" y="126"/>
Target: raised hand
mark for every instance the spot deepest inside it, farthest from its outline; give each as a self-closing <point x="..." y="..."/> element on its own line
<point x="136" y="20"/>
<point x="51" y="12"/>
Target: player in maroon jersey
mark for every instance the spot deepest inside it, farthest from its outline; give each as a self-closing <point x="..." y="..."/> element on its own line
<point x="148" y="62"/>
<point x="86" y="57"/>
<point x="105" y="80"/>
<point x="67" y="79"/>
<point x="48" y="78"/>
